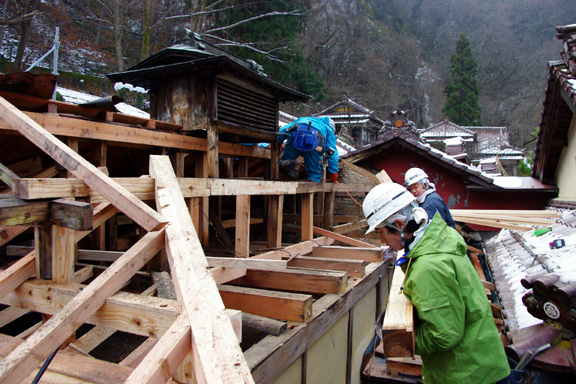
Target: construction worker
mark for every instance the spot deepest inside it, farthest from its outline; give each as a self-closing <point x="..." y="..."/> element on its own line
<point x="455" y="332"/>
<point x="314" y="139"/>
<point x="416" y="180"/>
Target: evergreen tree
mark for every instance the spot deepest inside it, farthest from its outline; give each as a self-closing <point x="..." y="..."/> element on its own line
<point x="278" y="35"/>
<point x="462" y="103"/>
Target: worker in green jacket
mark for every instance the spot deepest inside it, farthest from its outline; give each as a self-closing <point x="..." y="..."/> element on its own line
<point x="455" y="332"/>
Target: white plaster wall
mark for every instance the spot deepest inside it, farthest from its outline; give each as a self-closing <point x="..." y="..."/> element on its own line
<point x="566" y="171"/>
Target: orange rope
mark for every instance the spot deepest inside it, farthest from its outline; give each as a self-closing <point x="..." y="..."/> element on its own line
<point x="341" y="186"/>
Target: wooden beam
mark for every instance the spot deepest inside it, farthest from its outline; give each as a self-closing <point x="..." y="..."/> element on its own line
<point x="118" y="133"/>
<point x="398" y="326"/>
<point x="25" y="268"/>
<point x="273" y="304"/>
<point x="275" y="354"/>
<point x="248" y="263"/>
<point x="217" y="356"/>
<point x="354" y="268"/>
<point x="18" y="364"/>
<point x="7" y="234"/>
<point x="71" y="214"/>
<point x="342" y="238"/>
<point x="19" y="212"/>
<point x="141" y="213"/>
<point x="369" y="255"/>
<point x="66" y="213"/>
<point x="7" y="176"/>
<point x="165" y="356"/>
<point x="305" y="281"/>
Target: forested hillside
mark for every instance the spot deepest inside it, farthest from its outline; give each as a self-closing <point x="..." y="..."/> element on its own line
<point x="384" y="54"/>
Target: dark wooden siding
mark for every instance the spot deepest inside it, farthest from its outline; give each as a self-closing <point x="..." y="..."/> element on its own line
<point x="241" y="106"/>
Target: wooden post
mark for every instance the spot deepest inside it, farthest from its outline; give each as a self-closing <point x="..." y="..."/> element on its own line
<point x="242" y="243"/>
<point x="328" y="221"/>
<point x="98" y="235"/>
<point x="307" y="217"/>
<point x="212" y="151"/>
<point x="43" y="247"/>
<point x="243" y="167"/>
<point x="275" y="219"/>
<point x="63" y="254"/>
<point x="203" y="206"/>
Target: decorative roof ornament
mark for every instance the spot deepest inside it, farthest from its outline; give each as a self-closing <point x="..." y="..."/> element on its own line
<point x="398" y="124"/>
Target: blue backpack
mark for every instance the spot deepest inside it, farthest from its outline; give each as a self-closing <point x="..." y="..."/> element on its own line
<point x="306" y="138"/>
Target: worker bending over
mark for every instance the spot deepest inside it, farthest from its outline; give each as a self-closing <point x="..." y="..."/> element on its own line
<point x="454" y="329"/>
<point x="425" y="193"/>
<point x="314" y="139"/>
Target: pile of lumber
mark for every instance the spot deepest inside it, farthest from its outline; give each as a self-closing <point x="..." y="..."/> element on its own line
<point x="518" y="220"/>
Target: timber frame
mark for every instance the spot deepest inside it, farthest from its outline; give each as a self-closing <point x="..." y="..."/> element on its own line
<point x="89" y="245"/>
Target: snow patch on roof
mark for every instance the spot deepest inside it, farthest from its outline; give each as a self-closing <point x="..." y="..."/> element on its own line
<point x="75" y="97"/>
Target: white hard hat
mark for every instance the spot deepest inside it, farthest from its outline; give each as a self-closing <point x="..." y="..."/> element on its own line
<point x="414" y="175"/>
<point x="383" y="201"/>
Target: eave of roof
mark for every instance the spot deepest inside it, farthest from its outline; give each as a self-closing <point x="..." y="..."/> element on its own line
<point x="142" y="77"/>
<point x="410" y="141"/>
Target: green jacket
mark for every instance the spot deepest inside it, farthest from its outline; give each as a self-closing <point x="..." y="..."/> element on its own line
<point x="455" y="331"/>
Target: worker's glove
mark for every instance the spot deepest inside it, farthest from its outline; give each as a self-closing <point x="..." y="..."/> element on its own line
<point x="333" y="177"/>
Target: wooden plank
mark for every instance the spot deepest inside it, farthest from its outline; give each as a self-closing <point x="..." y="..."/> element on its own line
<point x="141" y="213"/>
<point x="383" y="177"/>
<point x="248" y="263"/>
<point x="273" y="304"/>
<point x="20" y="362"/>
<point x="354" y="268"/>
<point x="242" y="239"/>
<point x="398" y="325"/>
<point x="7" y="176"/>
<point x="507" y="213"/>
<point x="305" y="281"/>
<point x="217" y="356"/>
<point x="165" y="356"/>
<point x="137" y="355"/>
<point x="342" y="238"/>
<point x="404" y="365"/>
<point x="8" y="315"/>
<point x="295" y="249"/>
<point x="9" y="233"/>
<point x="369" y="255"/>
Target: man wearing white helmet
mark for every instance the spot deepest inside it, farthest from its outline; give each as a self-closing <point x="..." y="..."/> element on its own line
<point x="416" y="180"/>
<point x="454" y="328"/>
